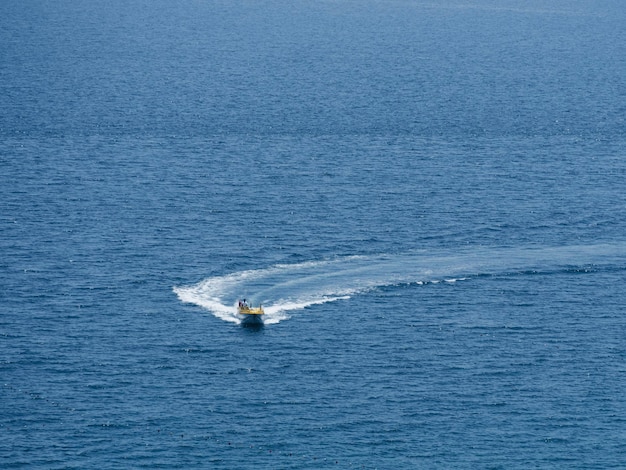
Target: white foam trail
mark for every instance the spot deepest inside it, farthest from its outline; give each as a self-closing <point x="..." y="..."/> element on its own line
<point x="285" y="288"/>
<point x="193" y="295"/>
<point x="278" y="311"/>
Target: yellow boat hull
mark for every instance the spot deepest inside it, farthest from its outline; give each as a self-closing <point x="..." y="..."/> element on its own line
<point x="251" y="316"/>
<point x="250" y="311"/>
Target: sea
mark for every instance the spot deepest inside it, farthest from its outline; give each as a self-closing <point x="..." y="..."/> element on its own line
<point x="427" y="198"/>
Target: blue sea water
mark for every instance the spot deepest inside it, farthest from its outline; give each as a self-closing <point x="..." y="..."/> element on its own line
<point x="427" y="198"/>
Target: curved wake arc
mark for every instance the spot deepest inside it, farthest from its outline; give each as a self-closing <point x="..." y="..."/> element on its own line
<point x="284" y="288"/>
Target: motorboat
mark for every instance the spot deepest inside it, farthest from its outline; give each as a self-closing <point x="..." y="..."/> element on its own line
<point x="250" y="315"/>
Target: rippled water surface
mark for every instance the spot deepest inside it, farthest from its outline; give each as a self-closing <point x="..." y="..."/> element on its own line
<point x="426" y="198"/>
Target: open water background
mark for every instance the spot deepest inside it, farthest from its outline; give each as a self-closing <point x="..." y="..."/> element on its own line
<point x="427" y="197"/>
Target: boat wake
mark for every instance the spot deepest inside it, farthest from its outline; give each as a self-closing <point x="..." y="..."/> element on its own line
<point x="284" y="288"/>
